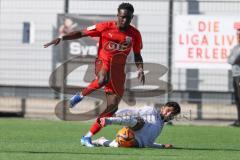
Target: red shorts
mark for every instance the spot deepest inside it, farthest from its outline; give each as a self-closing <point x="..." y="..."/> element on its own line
<point x="117" y="76"/>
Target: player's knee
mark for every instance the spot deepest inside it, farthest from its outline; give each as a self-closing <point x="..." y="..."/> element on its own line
<point x="139" y="125"/>
<point x="114" y="101"/>
<point x="112" y="108"/>
<point x="102" y="80"/>
<point x="115" y="108"/>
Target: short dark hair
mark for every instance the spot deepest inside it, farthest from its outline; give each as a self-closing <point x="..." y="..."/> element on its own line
<point x="127" y="6"/>
<point x="175" y="106"/>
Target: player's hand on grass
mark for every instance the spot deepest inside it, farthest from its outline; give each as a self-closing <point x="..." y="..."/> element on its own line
<point x="141" y="76"/>
<point x="167" y="146"/>
<point x="53" y="42"/>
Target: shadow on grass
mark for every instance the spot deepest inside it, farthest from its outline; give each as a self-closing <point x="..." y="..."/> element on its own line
<point x="77" y="153"/>
<point x="207" y="149"/>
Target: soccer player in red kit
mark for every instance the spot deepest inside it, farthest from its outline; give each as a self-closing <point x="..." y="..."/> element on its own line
<point x="117" y="38"/>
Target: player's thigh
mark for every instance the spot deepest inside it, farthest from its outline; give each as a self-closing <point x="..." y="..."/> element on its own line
<point x="103" y="77"/>
<point x="101" y="71"/>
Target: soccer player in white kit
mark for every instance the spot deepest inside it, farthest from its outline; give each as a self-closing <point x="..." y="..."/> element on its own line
<point x="146" y="122"/>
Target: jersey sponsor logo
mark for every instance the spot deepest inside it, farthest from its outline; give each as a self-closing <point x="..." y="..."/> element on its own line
<point x="113" y="46"/>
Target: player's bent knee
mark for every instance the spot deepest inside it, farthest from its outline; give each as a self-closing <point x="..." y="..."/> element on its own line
<point x="111" y="109"/>
<point x="139" y="125"/>
<point x="102" y="80"/>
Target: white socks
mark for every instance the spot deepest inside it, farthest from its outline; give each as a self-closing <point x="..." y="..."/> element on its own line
<point x="80" y="94"/>
<point x="89" y="134"/>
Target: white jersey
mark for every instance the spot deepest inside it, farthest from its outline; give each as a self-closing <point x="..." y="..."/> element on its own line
<point x="152" y="127"/>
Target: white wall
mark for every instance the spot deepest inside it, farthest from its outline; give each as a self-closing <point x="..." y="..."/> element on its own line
<point x="26" y="64"/>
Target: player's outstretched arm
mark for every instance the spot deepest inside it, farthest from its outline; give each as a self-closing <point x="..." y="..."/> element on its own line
<point x="69" y="36"/>
<point x="162" y="146"/>
<point x="139" y="63"/>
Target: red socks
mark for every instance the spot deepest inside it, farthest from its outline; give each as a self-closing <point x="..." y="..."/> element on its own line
<point x="91" y="87"/>
<point x="96" y="126"/>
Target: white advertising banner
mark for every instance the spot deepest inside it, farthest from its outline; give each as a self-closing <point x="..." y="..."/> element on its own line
<point x="204" y="41"/>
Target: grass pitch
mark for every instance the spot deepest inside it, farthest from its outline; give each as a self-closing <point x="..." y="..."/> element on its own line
<point x="23" y="139"/>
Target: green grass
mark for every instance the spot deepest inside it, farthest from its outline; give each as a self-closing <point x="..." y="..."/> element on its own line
<point x="22" y="139"/>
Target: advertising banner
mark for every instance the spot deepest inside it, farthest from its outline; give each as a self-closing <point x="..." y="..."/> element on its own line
<point x="204" y="41"/>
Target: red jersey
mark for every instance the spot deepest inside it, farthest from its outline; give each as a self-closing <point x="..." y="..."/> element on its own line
<point x="113" y="41"/>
